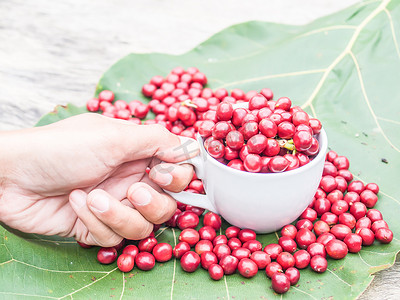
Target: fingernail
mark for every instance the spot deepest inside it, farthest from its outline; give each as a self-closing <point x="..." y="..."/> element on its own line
<point x="164" y="178"/>
<point x="78" y="198"/>
<point x="100" y="202"/>
<point x="141" y="196"/>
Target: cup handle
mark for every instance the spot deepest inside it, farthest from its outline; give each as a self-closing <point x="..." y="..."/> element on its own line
<point x="198" y="200"/>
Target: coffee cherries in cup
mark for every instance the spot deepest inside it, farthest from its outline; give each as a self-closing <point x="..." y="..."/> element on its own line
<point x="265" y="137"/>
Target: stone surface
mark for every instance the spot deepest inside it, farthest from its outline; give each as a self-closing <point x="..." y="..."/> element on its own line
<point x="54" y="52"/>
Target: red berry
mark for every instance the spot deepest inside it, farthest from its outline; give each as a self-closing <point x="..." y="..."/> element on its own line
<point x="367" y="236"/>
<point x="207" y="233"/>
<point x="305" y="237"/>
<point x="384" y="235"/>
<point x="283" y="103"/>
<point x="220" y="239"/>
<point x="302" y="140"/>
<point x="286" y="260"/>
<point x="363" y="222"/>
<point x="145" y="261"/>
<point x="328" y="183"/>
<point x="162" y="252"/>
<point x="319" y="264"/>
<point x="293" y="274"/>
<point x="229" y="264"/>
<point x="353" y="242"/>
<point x="374" y="215"/>
<point x="107" y="255"/>
<point x="339" y="207"/>
<point x="180" y="249"/>
<point x="300" y="117"/>
<point x="216" y="272"/>
<point x="247" y="268"/>
<point x="330" y="218"/>
<point x="234" y="243"/>
<point x="325" y="238"/>
<point x="273" y="250"/>
<point x="302" y="259"/>
<point x="213" y="220"/>
<point x="280" y="283"/>
<point x="203" y="246"/>
<point x="289" y="231"/>
<point x="190" y="236"/>
<point x="232" y="232"/>
<point x="125" y="262"/>
<point x="304" y="223"/>
<point x="224" y="111"/>
<point x="287" y="244"/>
<point x="187" y="219"/>
<point x="278" y="164"/>
<point x="246" y="235"/>
<point x="216" y="149"/>
<point x="261" y="258"/>
<point x="131" y="250"/>
<point x="340" y="231"/>
<point x="356" y="186"/>
<point x="267" y="93"/>
<point x="316" y="249"/>
<point x="321" y="227"/>
<point x="321" y="206"/>
<point x="147" y="244"/>
<point x="378" y="224"/>
<point x="309" y="214"/>
<point x="347" y="219"/>
<point x="358" y="210"/>
<point x="372" y="187"/>
<point x="253" y="245"/>
<point x="241" y="252"/>
<point x="207" y="259"/>
<point x="252" y="163"/>
<point x="273" y="268"/>
<point x="93" y="104"/>
<point x="257" y="143"/>
<point x="106" y="95"/>
<point x="257" y="102"/>
<point x="190" y="261"/>
<point x="221" y="250"/>
<point x="341" y="162"/>
<point x="369" y="198"/>
<point x="336" y="249"/>
<point x="286" y="131"/>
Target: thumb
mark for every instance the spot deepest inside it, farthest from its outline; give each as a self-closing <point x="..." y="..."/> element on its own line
<point x="146" y="141"/>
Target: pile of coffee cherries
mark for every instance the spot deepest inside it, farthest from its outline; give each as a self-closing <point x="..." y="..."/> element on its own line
<point x="267" y="136"/>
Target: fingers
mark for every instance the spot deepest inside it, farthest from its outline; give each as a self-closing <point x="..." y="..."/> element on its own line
<point x="140" y="142"/>
<point x="123" y="220"/>
<point x="172" y="177"/>
<point x="96" y="232"/>
<point x="156" y="207"/>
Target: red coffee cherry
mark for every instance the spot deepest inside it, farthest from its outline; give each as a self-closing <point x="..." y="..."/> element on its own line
<point x="216" y="272"/>
<point x="107" y="255"/>
<point x="125" y="262"/>
<point x="190" y="261"/>
<point x="145" y="261"/>
<point x="336" y="249"/>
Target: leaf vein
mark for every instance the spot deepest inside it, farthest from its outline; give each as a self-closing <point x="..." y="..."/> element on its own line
<point x="108" y="273"/>
<point x="297" y="289"/>
<point x="58" y="271"/>
<point x="174" y="271"/>
<point x="368" y="103"/>
<point x="339" y="278"/>
<point x="392" y="30"/>
<point x="289" y="74"/>
<point x="364" y="260"/>
<point x="27" y="295"/>
<point x="344" y="52"/>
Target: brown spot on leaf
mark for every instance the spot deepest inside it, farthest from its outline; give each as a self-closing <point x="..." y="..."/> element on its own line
<point x="93" y="278"/>
<point x="384" y="160"/>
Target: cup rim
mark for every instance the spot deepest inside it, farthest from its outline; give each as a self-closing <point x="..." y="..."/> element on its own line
<point x="321" y="137"/>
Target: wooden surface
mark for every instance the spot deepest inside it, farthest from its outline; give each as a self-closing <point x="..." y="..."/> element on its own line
<point x="54" y="52"/>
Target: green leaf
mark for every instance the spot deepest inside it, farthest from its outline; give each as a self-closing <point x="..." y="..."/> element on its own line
<point x="342" y="68"/>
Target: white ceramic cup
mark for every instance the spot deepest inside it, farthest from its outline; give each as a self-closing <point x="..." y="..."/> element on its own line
<point x="263" y="202"/>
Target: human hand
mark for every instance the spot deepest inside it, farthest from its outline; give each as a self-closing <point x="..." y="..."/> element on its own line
<point x="85" y="177"/>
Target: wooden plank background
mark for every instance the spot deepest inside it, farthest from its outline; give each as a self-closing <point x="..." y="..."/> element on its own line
<point x="54" y="52"/>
